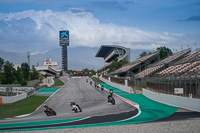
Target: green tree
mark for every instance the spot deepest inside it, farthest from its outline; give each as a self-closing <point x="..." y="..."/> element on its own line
<point x="1" y="63"/>
<point x="164" y="52"/>
<point x="1" y="77"/>
<point x="61" y="73"/>
<point x="34" y="74"/>
<point x="19" y="75"/>
<point x="85" y="70"/>
<point x="8" y="73"/>
<point x="116" y="65"/>
<point x="26" y="71"/>
<point x="144" y="53"/>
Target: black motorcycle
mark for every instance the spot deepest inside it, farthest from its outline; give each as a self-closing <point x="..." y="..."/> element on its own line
<point x="112" y="100"/>
<point x="102" y="88"/>
<point x="50" y="112"/>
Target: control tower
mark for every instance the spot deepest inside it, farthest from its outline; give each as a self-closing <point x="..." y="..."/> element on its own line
<point x="64" y="42"/>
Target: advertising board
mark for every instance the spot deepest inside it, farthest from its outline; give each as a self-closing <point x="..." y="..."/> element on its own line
<point x="64" y="38"/>
<point x="178" y="90"/>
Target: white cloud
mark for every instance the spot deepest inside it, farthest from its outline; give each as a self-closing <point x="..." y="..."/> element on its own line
<point x="38" y="31"/>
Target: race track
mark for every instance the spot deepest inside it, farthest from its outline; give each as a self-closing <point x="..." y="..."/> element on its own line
<point x="93" y="102"/>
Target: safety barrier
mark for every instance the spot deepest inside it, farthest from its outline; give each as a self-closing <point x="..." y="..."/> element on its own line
<point x="121" y="87"/>
<point x="178" y="101"/>
<point x="21" y="93"/>
<point x="12" y="99"/>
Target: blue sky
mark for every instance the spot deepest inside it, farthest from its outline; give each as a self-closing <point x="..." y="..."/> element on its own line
<point x="33" y="25"/>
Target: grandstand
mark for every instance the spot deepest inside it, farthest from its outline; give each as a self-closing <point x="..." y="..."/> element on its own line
<point x="136" y="66"/>
<point x="193" y="57"/>
<point x="158" y="66"/>
<point x="184" y="74"/>
<point x="179" y="71"/>
<point x="112" y="52"/>
<point x="188" y="65"/>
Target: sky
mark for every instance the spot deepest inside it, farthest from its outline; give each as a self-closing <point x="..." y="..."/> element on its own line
<point x="34" y="25"/>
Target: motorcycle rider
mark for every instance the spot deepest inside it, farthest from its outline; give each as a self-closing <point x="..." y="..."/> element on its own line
<point x="74" y="104"/>
<point x="47" y="108"/>
<point x="96" y="85"/>
<point x="102" y="87"/>
<point x="110" y="93"/>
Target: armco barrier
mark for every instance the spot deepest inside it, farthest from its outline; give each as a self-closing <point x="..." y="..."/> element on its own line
<point x="12" y="99"/>
<point x="178" y="101"/>
<point x="121" y="87"/>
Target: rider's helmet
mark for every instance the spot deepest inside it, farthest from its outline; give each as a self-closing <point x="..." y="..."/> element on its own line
<point x="111" y="89"/>
<point x="45" y="105"/>
<point x="72" y="103"/>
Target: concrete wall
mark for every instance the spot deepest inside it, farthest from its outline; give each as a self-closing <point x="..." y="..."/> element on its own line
<point x="121" y="87"/>
<point x="12" y="99"/>
<point x="48" y="81"/>
<point x="23" y="93"/>
<point x="178" y="101"/>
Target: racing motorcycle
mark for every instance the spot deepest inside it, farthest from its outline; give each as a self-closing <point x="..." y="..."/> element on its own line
<point x="76" y="108"/>
<point x="50" y="112"/>
<point x="112" y="100"/>
<point x="102" y="88"/>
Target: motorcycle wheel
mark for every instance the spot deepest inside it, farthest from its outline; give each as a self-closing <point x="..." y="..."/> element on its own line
<point x="75" y="110"/>
<point x="80" y="109"/>
<point x="113" y="101"/>
<point x="54" y="112"/>
<point x="47" y="113"/>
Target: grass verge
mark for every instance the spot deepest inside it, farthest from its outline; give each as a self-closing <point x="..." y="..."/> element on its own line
<point x="97" y="80"/>
<point x="22" y="107"/>
<point x="58" y="83"/>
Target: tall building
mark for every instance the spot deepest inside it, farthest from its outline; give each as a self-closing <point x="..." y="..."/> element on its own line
<point x="64" y="58"/>
<point x="64" y="42"/>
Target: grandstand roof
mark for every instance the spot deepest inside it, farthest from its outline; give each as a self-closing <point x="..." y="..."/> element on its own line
<point x="104" y="50"/>
<point x="111" y="52"/>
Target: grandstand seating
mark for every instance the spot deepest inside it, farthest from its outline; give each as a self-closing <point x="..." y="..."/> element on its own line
<point x="186" y="68"/>
<point x="175" y="57"/>
<point x="149" y="71"/>
<point x="125" y="68"/>
<point x="105" y="66"/>
<point x="193" y="57"/>
<point x="135" y="63"/>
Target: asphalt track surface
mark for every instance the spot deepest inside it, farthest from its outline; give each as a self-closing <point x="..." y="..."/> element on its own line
<point x="93" y="102"/>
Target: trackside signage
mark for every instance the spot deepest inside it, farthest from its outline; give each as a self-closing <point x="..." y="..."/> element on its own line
<point x="178" y="90"/>
<point x="64" y="38"/>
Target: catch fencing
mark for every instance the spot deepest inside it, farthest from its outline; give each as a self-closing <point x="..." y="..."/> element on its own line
<point x="184" y="85"/>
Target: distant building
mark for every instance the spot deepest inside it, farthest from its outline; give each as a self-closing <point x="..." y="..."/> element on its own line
<point x="50" y="68"/>
<point x="15" y="66"/>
